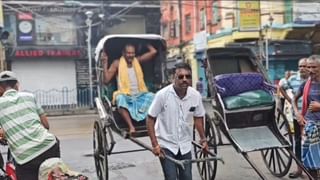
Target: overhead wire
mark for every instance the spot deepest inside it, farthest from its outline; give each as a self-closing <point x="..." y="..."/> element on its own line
<point x="56" y="21"/>
<point x="269" y="9"/>
<point x="48" y="21"/>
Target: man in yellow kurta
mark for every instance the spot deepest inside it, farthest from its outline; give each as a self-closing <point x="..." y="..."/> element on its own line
<point x="132" y="97"/>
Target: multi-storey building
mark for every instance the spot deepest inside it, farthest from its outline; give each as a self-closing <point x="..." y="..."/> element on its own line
<point x="216" y="23"/>
<point x="48" y="39"/>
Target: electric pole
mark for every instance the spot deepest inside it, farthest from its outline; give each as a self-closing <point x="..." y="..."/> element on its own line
<point x="180" y="26"/>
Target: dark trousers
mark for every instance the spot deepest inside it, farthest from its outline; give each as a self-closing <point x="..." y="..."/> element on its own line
<point x="30" y="170"/>
<point x="173" y="172"/>
<point x="297" y="139"/>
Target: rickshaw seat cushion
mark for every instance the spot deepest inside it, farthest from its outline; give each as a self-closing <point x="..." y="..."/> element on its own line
<point x="236" y="83"/>
<point x="248" y="99"/>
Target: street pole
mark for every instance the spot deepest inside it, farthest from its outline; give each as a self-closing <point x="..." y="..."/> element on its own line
<point x="267" y="50"/>
<point x="180" y="28"/>
<point x="2" y="48"/>
<point x="268" y="31"/>
<point x="89" y="23"/>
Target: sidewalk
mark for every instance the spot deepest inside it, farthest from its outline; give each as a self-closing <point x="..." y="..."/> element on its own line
<point x="64" y="126"/>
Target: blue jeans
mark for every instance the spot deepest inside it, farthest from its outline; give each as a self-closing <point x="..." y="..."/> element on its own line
<point x="172" y="171"/>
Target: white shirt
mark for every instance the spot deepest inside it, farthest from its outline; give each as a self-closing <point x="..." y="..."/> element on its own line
<point x="174" y="122"/>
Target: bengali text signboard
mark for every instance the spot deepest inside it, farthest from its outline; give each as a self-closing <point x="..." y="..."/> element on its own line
<point x="249" y="15"/>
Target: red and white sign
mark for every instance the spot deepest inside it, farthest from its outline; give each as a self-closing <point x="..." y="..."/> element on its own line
<point x="27" y="53"/>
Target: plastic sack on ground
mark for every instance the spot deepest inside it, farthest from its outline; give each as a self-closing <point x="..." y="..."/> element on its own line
<point x="55" y="168"/>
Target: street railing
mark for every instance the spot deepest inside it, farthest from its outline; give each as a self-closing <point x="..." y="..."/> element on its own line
<point x="64" y="99"/>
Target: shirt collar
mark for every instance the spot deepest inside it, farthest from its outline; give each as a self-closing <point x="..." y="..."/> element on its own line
<point x="9" y="92"/>
<point x="171" y="90"/>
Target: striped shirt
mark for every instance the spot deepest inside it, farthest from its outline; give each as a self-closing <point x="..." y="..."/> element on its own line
<point x="294" y="83"/>
<point x="19" y="117"/>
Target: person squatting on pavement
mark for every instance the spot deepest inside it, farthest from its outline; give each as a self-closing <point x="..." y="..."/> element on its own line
<point x="309" y="117"/>
<point x="170" y="121"/>
<point x="132" y="97"/>
<point x="294" y="83"/>
<point x="25" y="127"/>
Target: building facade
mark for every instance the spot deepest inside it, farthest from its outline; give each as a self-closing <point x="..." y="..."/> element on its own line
<point x="47" y="47"/>
<point x="216" y="23"/>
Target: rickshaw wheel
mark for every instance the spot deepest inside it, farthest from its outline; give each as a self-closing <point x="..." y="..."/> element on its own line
<point x="100" y="151"/>
<point x="279" y="160"/>
<point x="207" y="169"/>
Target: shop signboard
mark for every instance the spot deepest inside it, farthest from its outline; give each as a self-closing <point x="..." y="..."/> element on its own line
<point x="61" y="52"/>
<point x="306" y="12"/>
<point x="200" y="40"/>
<point x="249" y="15"/>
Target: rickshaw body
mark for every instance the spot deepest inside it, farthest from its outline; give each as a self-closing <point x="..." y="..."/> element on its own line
<point x="109" y="118"/>
<point x="110" y="121"/>
<point x="237" y="83"/>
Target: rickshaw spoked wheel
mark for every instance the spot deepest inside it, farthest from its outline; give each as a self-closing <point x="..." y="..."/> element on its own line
<point x="100" y="154"/>
<point x="278" y="160"/>
<point x="207" y="169"/>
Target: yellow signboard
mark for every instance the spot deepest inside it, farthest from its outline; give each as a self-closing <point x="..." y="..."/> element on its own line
<point x="249" y="15"/>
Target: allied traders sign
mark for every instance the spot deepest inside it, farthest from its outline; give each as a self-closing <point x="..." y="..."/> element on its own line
<point x="48" y="53"/>
<point x="249" y="15"/>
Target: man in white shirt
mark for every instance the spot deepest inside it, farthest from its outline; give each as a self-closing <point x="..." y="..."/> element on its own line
<point x="171" y="116"/>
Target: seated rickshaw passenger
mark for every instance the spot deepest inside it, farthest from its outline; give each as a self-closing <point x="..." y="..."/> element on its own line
<point x="132" y="97"/>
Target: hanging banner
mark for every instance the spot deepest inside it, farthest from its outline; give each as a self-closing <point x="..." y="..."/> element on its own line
<point x="249" y="15"/>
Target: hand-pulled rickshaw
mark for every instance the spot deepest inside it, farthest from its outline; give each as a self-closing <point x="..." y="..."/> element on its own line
<point x="109" y="118"/>
<point x="241" y="104"/>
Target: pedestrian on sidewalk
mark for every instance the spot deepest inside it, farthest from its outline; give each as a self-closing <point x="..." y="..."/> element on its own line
<point x="309" y="117"/>
<point x="281" y="100"/>
<point x="200" y="86"/>
<point x="25" y="127"/>
<point x="294" y="83"/>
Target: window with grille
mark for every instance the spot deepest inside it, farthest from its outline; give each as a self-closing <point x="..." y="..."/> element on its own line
<point x="174" y="28"/>
<point x="165" y="32"/>
<point x="57" y="29"/>
<point x="202" y="19"/>
<point x="215" y="12"/>
<point x="188" y="24"/>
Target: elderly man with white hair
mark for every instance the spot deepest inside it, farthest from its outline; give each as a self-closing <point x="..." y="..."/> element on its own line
<point x="309" y="117"/>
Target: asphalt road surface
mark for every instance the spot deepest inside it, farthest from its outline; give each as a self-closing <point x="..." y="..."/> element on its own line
<point x="75" y="133"/>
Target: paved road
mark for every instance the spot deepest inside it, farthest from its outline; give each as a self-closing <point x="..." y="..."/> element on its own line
<point x="75" y="133"/>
